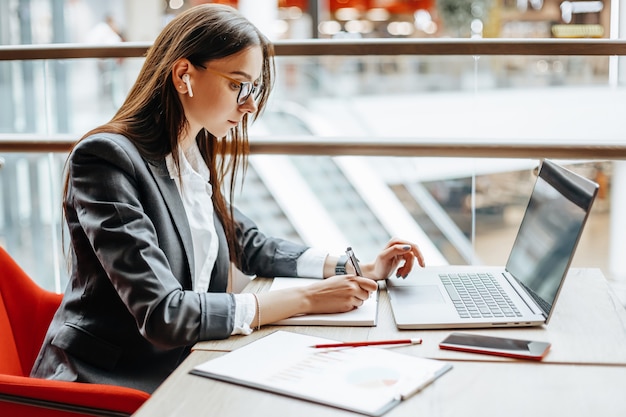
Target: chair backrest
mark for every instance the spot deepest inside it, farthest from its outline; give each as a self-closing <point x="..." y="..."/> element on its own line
<point x="26" y="310"/>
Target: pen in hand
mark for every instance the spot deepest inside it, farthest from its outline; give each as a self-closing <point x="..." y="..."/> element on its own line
<point x="354" y="261"/>
<point x="369" y="343"/>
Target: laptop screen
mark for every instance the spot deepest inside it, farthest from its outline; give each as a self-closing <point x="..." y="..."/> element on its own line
<point x="549" y="232"/>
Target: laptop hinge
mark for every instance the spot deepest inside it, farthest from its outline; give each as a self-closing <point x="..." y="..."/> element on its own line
<point x="521" y="291"/>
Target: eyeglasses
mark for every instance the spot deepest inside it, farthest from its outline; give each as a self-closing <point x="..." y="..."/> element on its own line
<point x="246" y="88"/>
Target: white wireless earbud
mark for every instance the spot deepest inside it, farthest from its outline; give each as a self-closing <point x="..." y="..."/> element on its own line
<point x="186" y="81"/>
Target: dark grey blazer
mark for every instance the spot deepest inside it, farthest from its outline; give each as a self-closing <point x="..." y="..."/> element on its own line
<point x="129" y="315"/>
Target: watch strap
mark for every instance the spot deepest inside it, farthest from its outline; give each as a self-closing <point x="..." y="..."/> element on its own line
<point x="340" y="268"/>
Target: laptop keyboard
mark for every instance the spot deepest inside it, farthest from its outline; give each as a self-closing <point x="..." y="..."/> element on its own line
<point x="478" y="295"/>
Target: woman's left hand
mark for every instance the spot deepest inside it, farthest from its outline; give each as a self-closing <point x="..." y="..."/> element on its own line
<point x="398" y="255"/>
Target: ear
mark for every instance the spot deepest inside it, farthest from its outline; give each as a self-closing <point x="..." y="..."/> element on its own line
<point x="180" y="68"/>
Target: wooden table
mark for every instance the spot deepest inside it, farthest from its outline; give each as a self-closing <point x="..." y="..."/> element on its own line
<point x="582" y="375"/>
<point x="588" y="327"/>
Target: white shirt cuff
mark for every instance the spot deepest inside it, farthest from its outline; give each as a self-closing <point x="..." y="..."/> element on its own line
<point x="311" y="263"/>
<point x="245" y="307"/>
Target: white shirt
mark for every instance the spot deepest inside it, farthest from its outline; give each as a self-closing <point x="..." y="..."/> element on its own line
<point x="194" y="186"/>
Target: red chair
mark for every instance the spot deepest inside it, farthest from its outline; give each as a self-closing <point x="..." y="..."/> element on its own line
<point x="25" y="313"/>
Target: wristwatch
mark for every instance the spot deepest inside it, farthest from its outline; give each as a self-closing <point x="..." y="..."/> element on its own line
<point x="340" y="268"/>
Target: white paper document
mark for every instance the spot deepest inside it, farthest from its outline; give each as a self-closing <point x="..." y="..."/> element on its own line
<point x="366" y="380"/>
<point x="365" y="315"/>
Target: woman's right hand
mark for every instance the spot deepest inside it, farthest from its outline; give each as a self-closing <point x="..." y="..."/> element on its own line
<point x="338" y="294"/>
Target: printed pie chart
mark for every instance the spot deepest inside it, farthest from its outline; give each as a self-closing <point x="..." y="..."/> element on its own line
<point x="374" y="377"/>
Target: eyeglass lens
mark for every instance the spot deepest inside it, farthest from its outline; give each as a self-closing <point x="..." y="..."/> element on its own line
<point x="245" y="91"/>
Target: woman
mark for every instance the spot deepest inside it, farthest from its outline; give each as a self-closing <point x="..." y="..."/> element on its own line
<point x="152" y="237"/>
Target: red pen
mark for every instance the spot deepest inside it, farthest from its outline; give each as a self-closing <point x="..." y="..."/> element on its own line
<point x="370" y="343"/>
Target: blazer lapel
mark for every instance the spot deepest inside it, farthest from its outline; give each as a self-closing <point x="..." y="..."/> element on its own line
<point x="220" y="274"/>
<point x="170" y="193"/>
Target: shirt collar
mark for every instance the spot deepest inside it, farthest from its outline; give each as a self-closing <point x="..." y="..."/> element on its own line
<point x="191" y="161"/>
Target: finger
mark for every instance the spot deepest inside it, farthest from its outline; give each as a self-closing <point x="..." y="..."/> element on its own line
<point x="414" y="251"/>
<point x="366" y="284"/>
<point x="391" y="252"/>
<point x="420" y="256"/>
<point x="356" y="302"/>
<point x="409" y="263"/>
<point x="394" y="241"/>
<point x="398" y="253"/>
<point x="357" y="289"/>
<point x="404" y="270"/>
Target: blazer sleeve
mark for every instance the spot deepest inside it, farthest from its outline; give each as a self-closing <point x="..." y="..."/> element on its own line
<point x="265" y="256"/>
<point x="125" y="219"/>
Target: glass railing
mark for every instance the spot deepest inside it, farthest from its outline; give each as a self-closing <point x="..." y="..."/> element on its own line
<point x="434" y="140"/>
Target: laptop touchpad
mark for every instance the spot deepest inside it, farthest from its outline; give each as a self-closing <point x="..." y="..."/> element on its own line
<point x="419" y="294"/>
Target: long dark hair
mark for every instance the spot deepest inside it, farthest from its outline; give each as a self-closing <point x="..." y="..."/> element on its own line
<point x="152" y="115"/>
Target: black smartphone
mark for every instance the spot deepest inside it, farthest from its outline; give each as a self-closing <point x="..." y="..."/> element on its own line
<point x="499" y="346"/>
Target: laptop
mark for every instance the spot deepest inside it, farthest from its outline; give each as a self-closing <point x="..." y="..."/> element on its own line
<point x="522" y="293"/>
